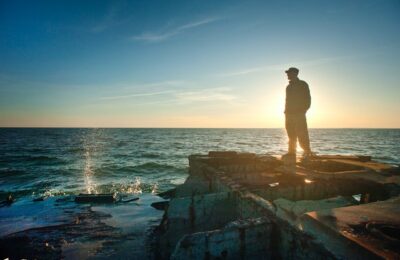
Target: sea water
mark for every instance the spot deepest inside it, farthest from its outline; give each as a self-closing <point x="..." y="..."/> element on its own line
<point x="57" y="163"/>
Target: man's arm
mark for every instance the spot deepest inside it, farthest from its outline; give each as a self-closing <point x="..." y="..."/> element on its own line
<point x="304" y="97"/>
<point x="286" y="101"/>
<point x="307" y="97"/>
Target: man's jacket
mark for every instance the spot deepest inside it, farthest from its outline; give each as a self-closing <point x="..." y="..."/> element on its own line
<point x="298" y="98"/>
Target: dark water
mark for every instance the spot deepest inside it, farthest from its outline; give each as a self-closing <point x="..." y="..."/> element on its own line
<point x="69" y="161"/>
<point x="132" y="162"/>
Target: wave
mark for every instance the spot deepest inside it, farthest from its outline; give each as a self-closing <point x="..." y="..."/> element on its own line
<point x="120" y="155"/>
<point x="122" y="144"/>
<point x="387" y="159"/>
<point x="45" y="159"/>
<point x="156" y="166"/>
<point x="142" y="155"/>
<point x="244" y="143"/>
<point x="76" y="150"/>
<point x="16" y="193"/>
<point x="36" y="150"/>
<point x="31" y="158"/>
<point x="149" y="167"/>
<point x="12" y="173"/>
<point x="42" y="158"/>
<point x="150" y="155"/>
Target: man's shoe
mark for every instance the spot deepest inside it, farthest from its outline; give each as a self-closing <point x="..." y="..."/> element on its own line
<point x="289" y="154"/>
<point x="307" y="155"/>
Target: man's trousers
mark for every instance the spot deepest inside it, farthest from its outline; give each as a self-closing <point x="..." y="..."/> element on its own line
<point x="296" y="128"/>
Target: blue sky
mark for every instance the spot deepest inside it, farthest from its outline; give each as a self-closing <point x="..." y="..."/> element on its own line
<point x="197" y="63"/>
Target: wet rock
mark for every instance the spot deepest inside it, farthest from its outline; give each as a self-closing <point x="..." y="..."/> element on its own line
<point x="40" y="199"/>
<point x="8" y="201"/>
<point x="95" y="198"/>
<point x="47" y="242"/>
<point x="167" y="194"/>
<point x="161" y="205"/>
<point x="129" y="200"/>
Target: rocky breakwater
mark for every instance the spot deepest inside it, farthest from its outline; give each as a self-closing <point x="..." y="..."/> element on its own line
<point x="244" y="206"/>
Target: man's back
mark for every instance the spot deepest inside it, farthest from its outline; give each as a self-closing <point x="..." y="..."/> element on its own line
<point x="298" y="98"/>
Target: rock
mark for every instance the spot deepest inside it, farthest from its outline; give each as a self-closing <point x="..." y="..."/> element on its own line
<point x="95" y="198"/>
<point x="8" y="201"/>
<point x="40" y="199"/>
<point x="161" y="205"/>
<point x="167" y="194"/>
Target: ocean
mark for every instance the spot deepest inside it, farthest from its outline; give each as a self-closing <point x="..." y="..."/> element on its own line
<point x="57" y="162"/>
<point x="54" y="161"/>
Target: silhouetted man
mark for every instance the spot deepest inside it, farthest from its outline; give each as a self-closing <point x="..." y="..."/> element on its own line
<point x="298" y="101"/>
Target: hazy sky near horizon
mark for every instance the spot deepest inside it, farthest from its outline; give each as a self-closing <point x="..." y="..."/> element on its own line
<point x="197" y="63"/>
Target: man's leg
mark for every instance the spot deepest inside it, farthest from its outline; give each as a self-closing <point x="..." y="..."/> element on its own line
<point x="302" y="133"/>
<point x="290" y="124"/>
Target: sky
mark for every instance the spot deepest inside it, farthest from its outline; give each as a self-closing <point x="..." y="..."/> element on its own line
<point x="197" y="63"/>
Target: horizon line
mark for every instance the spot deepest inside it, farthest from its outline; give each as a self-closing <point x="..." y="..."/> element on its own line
<point x="155" y="127"/>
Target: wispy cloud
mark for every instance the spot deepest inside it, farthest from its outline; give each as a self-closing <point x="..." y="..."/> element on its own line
<point x="148" y="89"/>
<point x="212" y="94"/>
<point x="283" y="66"/>
<point x="167" y="83"/>
<point x="244" y="71"/>
<point x="180" y="96"/>
<point x="166" y="34"/>
<point x="144" y="94"/>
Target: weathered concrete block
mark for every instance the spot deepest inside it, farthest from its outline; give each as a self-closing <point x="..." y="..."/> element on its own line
<point x="248" y="239"/>
<point x="194" y="185"/>
<point x="198" y="213"/>
<point x="297" y="208"/>
<point x="225" y="186"/>
<point x="252" y="206"/>
<point x="291" y="243"/>
<point x="203" y="211"/>
<point x="222" y="154"/>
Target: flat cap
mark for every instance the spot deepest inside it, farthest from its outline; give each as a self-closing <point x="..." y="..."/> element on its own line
<point x="292" y="69"/>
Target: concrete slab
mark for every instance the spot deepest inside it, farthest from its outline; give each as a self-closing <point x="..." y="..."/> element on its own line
<point x="298" y="208"/>
<point x="371" y="229"/>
